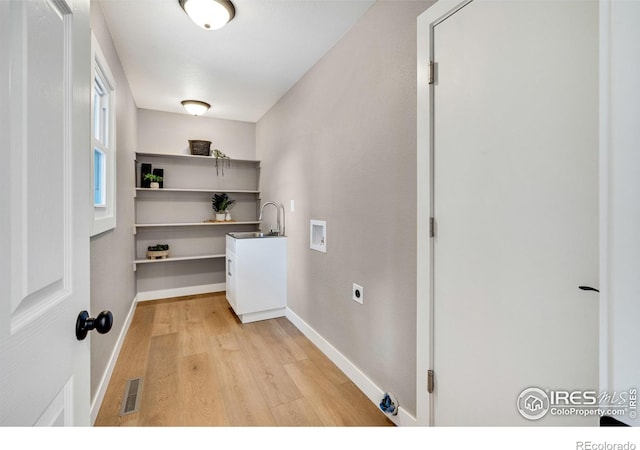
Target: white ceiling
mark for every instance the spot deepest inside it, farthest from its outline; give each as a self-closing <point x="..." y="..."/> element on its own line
<point x="242" y="69"/>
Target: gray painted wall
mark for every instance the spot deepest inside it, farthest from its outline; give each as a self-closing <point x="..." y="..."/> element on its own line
<point x="163" y="132"/>
<point x="112" y="277"/>
<point x="342" y="144"/>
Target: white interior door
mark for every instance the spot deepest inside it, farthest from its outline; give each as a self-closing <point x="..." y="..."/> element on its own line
<point x="515" y="200"/>
<point x="45" y="204"/>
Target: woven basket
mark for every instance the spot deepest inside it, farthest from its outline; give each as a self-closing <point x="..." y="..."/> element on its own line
<point x="202" y="148"/>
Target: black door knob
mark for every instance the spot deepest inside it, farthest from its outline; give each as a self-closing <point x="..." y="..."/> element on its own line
<point x="102" y="324"/>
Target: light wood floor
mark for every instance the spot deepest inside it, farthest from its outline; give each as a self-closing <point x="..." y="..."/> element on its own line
<point x="202" y="367"/>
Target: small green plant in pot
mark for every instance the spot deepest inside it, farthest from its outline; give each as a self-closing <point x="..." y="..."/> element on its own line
<point x="154" y="179"/>
<point x="221" y="204"/>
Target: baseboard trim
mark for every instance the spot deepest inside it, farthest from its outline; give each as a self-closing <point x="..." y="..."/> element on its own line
<point x="96" y="402"/>
<point x="359" y="378"/>
<point x="180" y="292"/>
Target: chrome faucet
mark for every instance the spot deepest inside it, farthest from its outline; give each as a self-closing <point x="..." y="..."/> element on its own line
<point x="280" y="226"/>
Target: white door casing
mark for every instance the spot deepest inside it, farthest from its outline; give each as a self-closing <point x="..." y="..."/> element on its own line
<point x="619" y="193"/>
<point x="515" y="199"/>
<point x="46" y="204"/>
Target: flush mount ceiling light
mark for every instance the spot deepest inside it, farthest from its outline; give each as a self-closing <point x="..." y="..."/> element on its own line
<point x="195" y="107"/>
<point x="209" y="14"/>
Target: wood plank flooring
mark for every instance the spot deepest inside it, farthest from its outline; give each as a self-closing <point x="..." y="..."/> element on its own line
<point x="202" y="367"/>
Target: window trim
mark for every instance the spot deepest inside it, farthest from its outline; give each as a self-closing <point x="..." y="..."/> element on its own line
<point x="104" y="216"/>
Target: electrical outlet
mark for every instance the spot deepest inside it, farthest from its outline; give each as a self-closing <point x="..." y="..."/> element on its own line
<point x="358" y="293"/>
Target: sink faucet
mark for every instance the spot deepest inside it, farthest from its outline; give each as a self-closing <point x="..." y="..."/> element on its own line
<point x="279" y="225"/>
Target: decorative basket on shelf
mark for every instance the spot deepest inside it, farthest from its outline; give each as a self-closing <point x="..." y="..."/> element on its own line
<point x="201" y="148"/>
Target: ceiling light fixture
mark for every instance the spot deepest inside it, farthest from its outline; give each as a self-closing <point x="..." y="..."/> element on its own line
<point x="195" y="107"/>
<point x="209" y="14"/>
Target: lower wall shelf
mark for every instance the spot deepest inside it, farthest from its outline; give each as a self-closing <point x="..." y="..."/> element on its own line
<point x="177" y="258"/>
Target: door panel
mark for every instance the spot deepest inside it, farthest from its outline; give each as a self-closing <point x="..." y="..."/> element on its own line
<point x="516" y="206"/>
<point x="44" y="377"/>
<point x="40" y="226"/>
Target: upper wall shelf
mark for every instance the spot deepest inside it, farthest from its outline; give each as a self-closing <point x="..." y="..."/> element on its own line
<point x="181" y="155"/>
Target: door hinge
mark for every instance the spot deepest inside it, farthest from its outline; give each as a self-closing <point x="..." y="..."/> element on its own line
<point x="432" y="227"/>
<point x="432" y="72"/>
<point x="430" y="381"/>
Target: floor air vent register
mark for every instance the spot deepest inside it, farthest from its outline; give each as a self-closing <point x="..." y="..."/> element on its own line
<point x="132" y="396"/>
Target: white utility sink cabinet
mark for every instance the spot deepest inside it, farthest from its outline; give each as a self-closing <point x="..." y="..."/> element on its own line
<point x="257" y="277"/>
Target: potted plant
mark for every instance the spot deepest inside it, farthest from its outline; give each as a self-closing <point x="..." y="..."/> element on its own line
<point x="220" y="204"/>
<point x="154" y="179"/>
